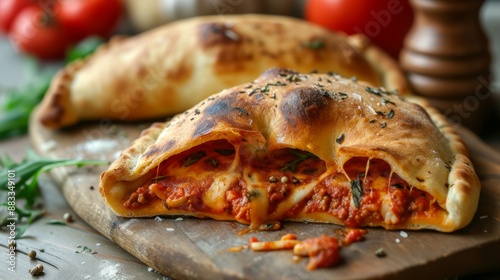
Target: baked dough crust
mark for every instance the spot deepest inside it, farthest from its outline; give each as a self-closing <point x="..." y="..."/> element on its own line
<point x="171" y="68"/>
<point x="308" y="112"/>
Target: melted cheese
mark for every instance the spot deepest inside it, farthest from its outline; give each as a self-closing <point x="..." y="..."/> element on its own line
<point x="252" y="189"/>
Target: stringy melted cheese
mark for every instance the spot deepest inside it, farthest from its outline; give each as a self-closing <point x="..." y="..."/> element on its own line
<point x="259" y="188"/>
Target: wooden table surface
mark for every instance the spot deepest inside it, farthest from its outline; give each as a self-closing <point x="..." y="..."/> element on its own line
<point x="72" y="251"/>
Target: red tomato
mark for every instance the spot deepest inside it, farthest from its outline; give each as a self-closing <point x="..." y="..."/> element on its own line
<point x="89" y="17"/>
<point x="9" y="9"/>
<point x="385" y="22"/>
<point x="38" y="33"/>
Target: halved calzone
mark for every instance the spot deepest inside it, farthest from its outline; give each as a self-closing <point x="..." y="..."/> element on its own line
<point x="299" y="147"/>
<point x="171" y="68"/>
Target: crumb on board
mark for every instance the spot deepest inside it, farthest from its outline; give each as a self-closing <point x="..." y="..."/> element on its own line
<point x="380" y="252"/>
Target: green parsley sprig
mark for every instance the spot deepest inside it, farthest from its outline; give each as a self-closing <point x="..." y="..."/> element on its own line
<point x="301" y="156"/>
<point x="18" y="103"/>
<point x="23" y="186"/>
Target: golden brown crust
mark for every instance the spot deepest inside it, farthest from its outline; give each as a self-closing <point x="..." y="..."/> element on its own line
<point x="464" y="185"/>
<point x="169" y="69"/>
<point x="284" y="109"/>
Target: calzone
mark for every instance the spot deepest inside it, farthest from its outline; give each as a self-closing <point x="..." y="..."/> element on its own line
<point x="171" y="68"/>
<point x="300" y="147"/>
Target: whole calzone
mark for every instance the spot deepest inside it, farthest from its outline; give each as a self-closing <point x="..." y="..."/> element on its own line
<point x="171" y="68"/>
<point x="300" y="147"/>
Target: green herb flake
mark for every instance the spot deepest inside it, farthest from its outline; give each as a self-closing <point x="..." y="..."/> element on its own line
<point x="84" y="249"/>
<point x="161" y="177"/>
<point x="224" y="152"/>
<point x="301" y="156"/>
<point x="357" y="192"/>
<point x="265" y="89"/>
<point x="241" y="110"/>
<point x="373" y="90"/>
<point x="56" y="222"/>
<point x="278" y="84"/>
<point x="252" y="194"/>
<point x="390" y="114"/>
<point x="326" y="93"/>
<point x="270" y="226"/>
<point x="317" y="44"/>
<point x="214" y="162"/>
<point x="340" y="140"/>
<point x="194" y="158"/>
<point x="387" y="101"/>
<point x="293" y="78"/>
<point x="254" y="91"/>
<point x="342" y="95"/>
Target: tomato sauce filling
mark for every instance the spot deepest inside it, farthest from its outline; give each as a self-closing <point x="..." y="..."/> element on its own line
<point x="355" y="195"/>
<point x="333" y="195"/>
<point x="181" y="180"/>
<point x="323" y="251"/>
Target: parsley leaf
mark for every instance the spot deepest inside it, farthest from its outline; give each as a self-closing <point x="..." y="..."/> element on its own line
<point x="301" y="156"/>
<point x="20" y="180"/>
<point x="357" y="192"/>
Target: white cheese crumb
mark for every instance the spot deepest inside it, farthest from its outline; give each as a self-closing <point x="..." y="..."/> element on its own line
<point x="403" y="234"/>
<point x="83" y="263"/>
<point x="48" y="146"/>
<point x="158" y="219"/>
<point x="98" y="244"/>
<point x="170" y="229"/>
<point x="179" y="219"/>
<point x="231" y="35"/>
<point x="86" y="277"/>
<point x="357" y="97"/>
<point x="397" y="240"/>
<point x="370" y="108"/>
<point x="483" y="217"/>
<point x="150" y="269"/>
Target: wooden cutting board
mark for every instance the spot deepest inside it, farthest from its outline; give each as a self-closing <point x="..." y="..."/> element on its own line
<point x="190" y="248"/>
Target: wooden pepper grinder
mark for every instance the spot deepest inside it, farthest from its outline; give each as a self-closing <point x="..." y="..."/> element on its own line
<point x="447" y="60"/>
